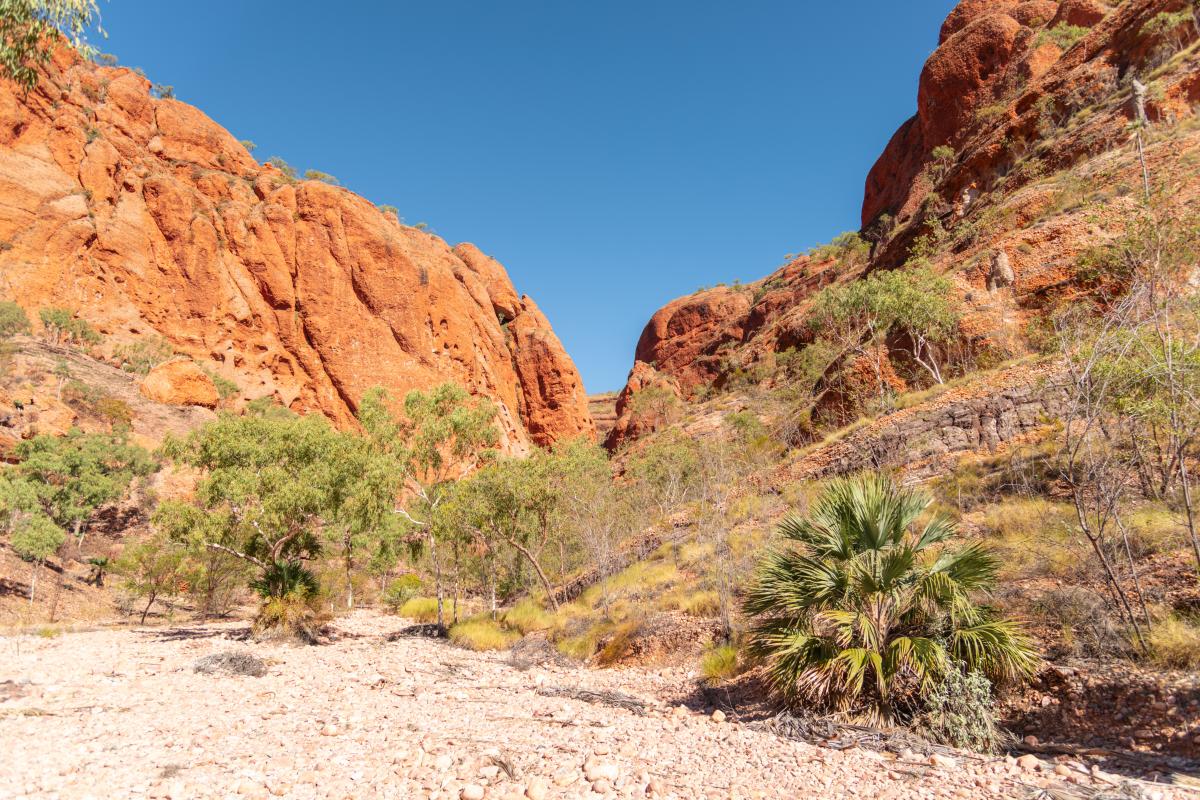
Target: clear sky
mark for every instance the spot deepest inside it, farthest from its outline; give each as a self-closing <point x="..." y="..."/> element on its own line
<point x="612" y="155"/>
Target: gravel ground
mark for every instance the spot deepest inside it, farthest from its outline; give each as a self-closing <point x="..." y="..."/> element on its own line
<point x="122" y="714"/>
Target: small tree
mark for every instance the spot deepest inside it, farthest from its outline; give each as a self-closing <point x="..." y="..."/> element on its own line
<point x="444" y="435"/>
<point x="35" y="539"/>
<point x="12" y="319"/>
<point x="864" y="612"/>
<point x="63" y="327"/>
<point x="74" y="475"/>
<point x="152" y="569"/>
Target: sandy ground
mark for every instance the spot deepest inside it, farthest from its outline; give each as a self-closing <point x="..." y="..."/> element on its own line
<point x="122" y="714"/>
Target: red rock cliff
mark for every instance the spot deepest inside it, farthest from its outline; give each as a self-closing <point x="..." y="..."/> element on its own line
<point x="1032" y="101"/>
<point x="145" y="217"/>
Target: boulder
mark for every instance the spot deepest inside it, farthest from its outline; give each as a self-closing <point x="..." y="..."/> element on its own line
<point x="180" y="382"/>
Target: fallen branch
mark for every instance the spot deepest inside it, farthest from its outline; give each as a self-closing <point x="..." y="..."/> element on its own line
<point x="614" y="699"/>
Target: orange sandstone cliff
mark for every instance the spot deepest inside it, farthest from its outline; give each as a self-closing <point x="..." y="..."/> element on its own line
<point x="1020" y="157"/>
<point x="147" y="218"/>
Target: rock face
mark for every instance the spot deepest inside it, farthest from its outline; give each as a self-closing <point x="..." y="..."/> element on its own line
<point x="1036" y="167"/>
<point x="146" y="217"/>
<point x="180" y="382"/>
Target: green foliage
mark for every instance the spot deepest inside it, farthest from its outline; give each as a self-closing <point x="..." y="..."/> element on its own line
<point x="144" y="354"/>
<point x="284" y="578"/>
<point x="73" y="475"/>
<point x="1063" y="35"/>
<point x="29" y="28"/>
<point x="482" y="633"/>
<point x="719" y="663"/>
<point x="62" y="326"/>
<point x="163" y="91"/>
<point x="1169" y="25"/>
<point x="225" y="387"/>
<point x="917" y="302"/>
<point x="401" y="590"/>
<point x="289" y="172"/>
<point x="37" y="538"/>
<point x="323" y="177"/>
<point x="392" y="210"/>
<point x="960" y="712"/>
<point x="942" y="159"/>
<point x="12" y="319"/>
<point x="153" y="568"/>
<point x="277" y="489"/>
<point x="249" y="145"/>
<point x="848" y="248"/>
<point x="863" y="612"/>
<point x="91" y="401"/>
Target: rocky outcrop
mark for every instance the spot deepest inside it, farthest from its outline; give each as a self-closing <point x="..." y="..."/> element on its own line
<point x="983" y="415"/>
<point x="180" y="382"/>
<point x="146" y="217"/>
<point x="1036" y="166"/>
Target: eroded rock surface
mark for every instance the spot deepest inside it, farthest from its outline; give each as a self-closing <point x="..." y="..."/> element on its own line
<point x="146" y="217"/>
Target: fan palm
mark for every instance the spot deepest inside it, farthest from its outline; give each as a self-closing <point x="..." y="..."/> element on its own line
<point x="863" y="614"/>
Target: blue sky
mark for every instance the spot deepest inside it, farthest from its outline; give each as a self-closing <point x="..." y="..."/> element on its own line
<point x="612" y="155"/>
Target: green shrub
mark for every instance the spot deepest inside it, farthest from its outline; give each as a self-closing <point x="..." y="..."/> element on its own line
<point x="400" y="591"/>
<point x="960" y="712"/>
<point x="323" y="177"/>
<point x="289" y="172"/>
<point x="12" y="319"/>
<point x="719" y="663"/>
<point x="143" y="355"/>
<point x="62" y="326"/>
<point x="482" y="633"/>
<point x="1063" y="35"/>
<point x="97" y="403"/>
<point x="863" y="613"/>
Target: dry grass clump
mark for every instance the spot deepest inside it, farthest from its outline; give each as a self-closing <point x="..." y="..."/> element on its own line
<point x="1175" y="642"/>
<point x="702" y="603"/>
<point x="482" y="633"/>
<point x="424" y="609"/>
<point x="719" y="663"/>
<point x="528" y="616"/>
<point x="1033" y="537"/>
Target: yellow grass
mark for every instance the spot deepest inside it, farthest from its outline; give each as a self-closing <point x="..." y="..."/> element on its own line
<point x="482" y="633"/>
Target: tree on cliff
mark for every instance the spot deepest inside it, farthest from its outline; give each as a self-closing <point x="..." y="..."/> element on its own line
<point x="29" y="28"/>
<point x="859" y="316"/>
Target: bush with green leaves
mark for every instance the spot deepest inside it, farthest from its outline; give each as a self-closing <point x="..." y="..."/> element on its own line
<point x="29" y="29"/>
<point x="863" y="612"/>
<point x="961" y="712"/>
<point x="401" y="590"/>
<point x="323" y="177"/>
<point x="12" y="319"/>
<point x="71" y="476"/>
<point x="152" y="569"/>
<point x="289" y="172"/>
<point x="63" y="327"/>
<point x="35" y="539"/>
<point x="144" y="354"/>
<point x="1063" y="35"/>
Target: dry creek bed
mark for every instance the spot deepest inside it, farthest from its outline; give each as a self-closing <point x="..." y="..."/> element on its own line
<point x="122" y="713"/>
